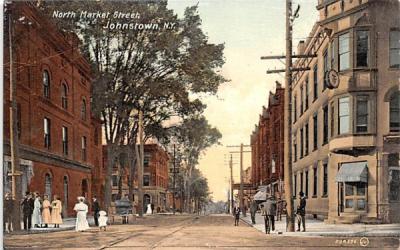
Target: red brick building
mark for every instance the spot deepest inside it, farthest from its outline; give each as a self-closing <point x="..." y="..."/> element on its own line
<point x="60" y="141"/>
<point x="267" y="144"/>
<point x="155" y="176"/>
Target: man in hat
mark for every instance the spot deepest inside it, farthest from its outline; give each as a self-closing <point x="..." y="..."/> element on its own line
<point x="27" y="210"/>
<point x="253" y="210"/>
<point x="301" y="212"/>
<point x="270" y="212"/>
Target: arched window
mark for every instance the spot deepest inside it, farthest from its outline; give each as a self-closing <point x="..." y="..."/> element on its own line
<point x="47" y="185"/>
<point x="395" y="112"/>
<point x="46" y="84"/>
<point x="64" y="96"/>
<point x="65" y="184"/>
<point x="83" y="110"/>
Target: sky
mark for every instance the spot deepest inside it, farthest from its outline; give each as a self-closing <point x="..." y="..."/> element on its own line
<point x="249" y="29"/>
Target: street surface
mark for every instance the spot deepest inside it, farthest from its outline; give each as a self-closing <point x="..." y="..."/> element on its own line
<point x="186" y="232"/>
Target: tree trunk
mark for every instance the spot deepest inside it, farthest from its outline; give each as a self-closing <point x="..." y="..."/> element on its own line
<point x="131" y="167"/>
<point x="111" y="153"/>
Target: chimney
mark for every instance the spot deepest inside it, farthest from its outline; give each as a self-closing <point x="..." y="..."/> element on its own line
<point x="300" y="47"/>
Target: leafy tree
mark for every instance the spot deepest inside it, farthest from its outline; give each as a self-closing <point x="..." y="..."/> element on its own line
<point x="150" y="70"/>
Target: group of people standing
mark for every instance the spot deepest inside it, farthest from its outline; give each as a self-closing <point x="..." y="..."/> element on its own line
<point x="271" y="208"/>
<point x="41" y="212"/>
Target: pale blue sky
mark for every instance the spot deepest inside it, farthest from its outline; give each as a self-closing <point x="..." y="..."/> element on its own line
<point x="249" y="29"/>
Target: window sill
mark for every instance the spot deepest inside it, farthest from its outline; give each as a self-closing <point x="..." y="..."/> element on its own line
<point x="314" y="196"/>
<point x="324" y="196"/>
<point x="393" y="68"/>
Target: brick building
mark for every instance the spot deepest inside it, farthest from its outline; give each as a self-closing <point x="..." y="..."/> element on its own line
<point x="267" y="145"/>
<point x="60" y="141"/>
<point x="346" y="136"/>
<point x="155" y="177"/>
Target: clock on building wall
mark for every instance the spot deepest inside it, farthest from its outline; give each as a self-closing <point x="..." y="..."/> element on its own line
<point x="332" y="79"/>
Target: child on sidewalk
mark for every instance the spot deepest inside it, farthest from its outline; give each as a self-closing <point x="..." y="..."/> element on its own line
<point x="103" y="220"/>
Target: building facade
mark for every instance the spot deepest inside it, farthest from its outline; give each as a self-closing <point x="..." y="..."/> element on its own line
<point x="345" y="133"/>
<point x="267" y="145"/>
<point x="155" y="176"/>
<point x="60" y="140"/>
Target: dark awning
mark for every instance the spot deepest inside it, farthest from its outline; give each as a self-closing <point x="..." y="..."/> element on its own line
<point x="353" y="172"/>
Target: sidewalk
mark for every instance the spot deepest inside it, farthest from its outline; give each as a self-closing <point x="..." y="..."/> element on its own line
<point x="319" y="228"/>
<point x="68" y="224"/>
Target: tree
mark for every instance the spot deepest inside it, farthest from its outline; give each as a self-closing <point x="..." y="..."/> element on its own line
<point x="150" y="70"/>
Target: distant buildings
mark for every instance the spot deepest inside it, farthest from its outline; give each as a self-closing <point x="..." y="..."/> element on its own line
<point x="267" y="145"/>
<point x="60" y="140"/>
<point x="346" y="139"/>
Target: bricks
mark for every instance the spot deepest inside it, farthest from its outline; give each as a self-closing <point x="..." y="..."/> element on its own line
<point x="39" y="48"/>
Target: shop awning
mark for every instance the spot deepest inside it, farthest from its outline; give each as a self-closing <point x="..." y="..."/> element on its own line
<point x="353" y="172"/>
<point x="261" y="195"/>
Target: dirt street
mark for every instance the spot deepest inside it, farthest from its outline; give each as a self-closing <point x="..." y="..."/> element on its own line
<point x="184" y="232"/>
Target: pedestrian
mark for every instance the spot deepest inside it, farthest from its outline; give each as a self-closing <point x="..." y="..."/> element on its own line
<point x="27" y="210"/>
<point x="56" y="209"/>
<point x="301" y="212"/>
<point x="253" y="210"/>
<point x="149" y="210"/>
<point x="236" y="212"/>
<point x="103" y="220"/>
<point x="152" y="208"/>
<point x="95" y="210"/>
<point x="46" y="217"/>
<point x="269" y="213"/>
<point x="36" y="214"/>
<point x="8" y="212"/>
<point x="281" y="207"/>
<point x="81" y="209"/>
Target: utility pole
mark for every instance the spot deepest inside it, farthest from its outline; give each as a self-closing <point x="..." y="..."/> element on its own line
<point x="231" y="168"/>
<point x="173" y="194"/>
<point x="140" y="165"/>
<point x="14" y="143"/>
<point x="241" y="198"/>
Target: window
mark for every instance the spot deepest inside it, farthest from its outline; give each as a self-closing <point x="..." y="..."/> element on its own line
<point x="295" y="185"/>
<point x="65" y="184"/>
<point x="315" y="181"/>
<point x="301" y="181"/>
<point x="315" y="81"/>
<point x="315" y="131"/>
<point x="344" y="115"/>
<point x="362" y="114"/>
<point x="83" y="110"/>
<point x="325" y="186"/>
<point x="47" y="185"/>
<point x="333" y="52"/>
<point x="294" y="108"/>
<point x="295" y="147"/>
<point x="301" y="142"/>
<point x="326" y="69"/>
<point x="306" y="188"/>
<point x="394" y="57"/>
<point x="146" y="160"/>
<point x="47" y="132"/>
<point x="325" y="135"/>
<point x="65" y="140"/>
<point x="355" y="195"/>
<point x="301" y="100"/>
<point x="306" y="140"/>
<point x="146" y="180"/>
<point x="306" y="99"/>
<point x="64" y="96"/>
<point x="84" y="148"/>
<point x="46" y="84"/>
<point x="394" y="177"/>
<point x="332" y="119"/>
<point x="344" y="51"/>
<point x="362" y="48"/>
<point x="114" y="180"/>
<point x="96" y="136"/>
<point x="19" y="124"/>
<point x="395" y="112"/>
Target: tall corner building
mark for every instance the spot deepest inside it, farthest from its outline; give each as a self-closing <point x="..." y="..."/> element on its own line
<point x="346" y="113"/>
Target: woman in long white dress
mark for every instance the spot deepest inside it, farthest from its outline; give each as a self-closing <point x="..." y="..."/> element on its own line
<point x="36" y="215"/>
<point x="81" y="210"/>
<point x="148" y="209"/>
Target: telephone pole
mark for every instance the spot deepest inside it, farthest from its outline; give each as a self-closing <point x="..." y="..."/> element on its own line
<point x="231" y="169"/>
<point x="14" y="143"/>
<point x="241" y="198"/>
<point x="140" y="165"/>
<point x="287" y="117"/>
<point x="173" y="194"/>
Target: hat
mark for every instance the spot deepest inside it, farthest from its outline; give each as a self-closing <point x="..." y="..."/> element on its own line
<point x="301" y="193"/>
